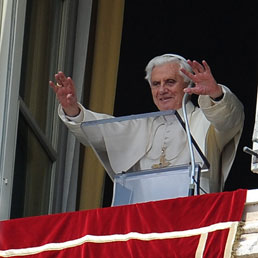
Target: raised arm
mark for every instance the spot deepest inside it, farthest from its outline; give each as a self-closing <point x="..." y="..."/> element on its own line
<point x="66" y="94"/>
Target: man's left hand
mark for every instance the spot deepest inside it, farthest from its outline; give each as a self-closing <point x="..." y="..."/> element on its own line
<point x="205" y="84"/>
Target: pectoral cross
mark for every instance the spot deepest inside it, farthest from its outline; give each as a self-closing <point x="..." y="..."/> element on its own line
<point x="163" y="162"/>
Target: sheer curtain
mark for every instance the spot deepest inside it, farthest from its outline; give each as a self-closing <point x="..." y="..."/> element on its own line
<point x="1" y="14"/>
<point x="65" y="194"/>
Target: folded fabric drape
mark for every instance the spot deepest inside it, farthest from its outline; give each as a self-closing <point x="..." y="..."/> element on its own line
<point x="197" y="226"/>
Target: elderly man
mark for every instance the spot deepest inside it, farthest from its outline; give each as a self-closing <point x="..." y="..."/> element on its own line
<point x="216" y="124"/>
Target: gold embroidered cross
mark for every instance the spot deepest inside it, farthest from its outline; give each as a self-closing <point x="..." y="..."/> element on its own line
<point x="163" y="162"/>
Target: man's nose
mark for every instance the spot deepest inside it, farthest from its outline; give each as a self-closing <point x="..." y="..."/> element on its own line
<point x="162" y="87"/>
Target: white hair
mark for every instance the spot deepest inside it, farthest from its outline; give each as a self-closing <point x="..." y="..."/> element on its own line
<point x="167" y="58"/>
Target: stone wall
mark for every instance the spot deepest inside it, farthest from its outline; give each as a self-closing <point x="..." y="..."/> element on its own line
<point x="246" y="243"/>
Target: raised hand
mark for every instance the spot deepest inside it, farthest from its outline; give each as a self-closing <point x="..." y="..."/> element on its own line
<point x="66" y="94"/>
<point x="203" y="79"/>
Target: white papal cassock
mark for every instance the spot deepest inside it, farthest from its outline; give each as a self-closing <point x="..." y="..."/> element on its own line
<point x="216" y="127"/>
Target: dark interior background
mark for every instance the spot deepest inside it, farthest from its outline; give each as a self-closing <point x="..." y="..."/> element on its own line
<point x="223" y="33"/>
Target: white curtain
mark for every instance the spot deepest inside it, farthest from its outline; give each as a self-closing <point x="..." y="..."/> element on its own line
<point x="1" y="19"/>
<point x="71" y="162"/>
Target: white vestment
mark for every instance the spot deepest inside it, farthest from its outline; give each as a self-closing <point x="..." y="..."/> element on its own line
<point x="216" y="127"/>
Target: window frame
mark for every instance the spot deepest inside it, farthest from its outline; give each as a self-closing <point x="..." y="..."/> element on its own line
<point x="71" y="57"/>
<point x="12" y="27"/>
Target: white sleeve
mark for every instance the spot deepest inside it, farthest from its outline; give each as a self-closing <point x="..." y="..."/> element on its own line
<point x="75" y="119"/>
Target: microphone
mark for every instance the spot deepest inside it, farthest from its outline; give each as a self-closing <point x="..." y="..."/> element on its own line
<point x="250" y="151"/>
<point x="190" y="143"/>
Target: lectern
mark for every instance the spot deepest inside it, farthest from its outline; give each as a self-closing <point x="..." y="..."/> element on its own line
<point x="117" y="141"/>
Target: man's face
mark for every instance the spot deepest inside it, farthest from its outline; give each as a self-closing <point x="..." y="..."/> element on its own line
<point x="167" y="86"/>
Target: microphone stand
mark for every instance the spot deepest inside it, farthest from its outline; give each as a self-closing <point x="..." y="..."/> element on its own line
<point x="190" y="143"/>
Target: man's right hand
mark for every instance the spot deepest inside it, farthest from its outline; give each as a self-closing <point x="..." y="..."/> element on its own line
<point x="66" y="94"/>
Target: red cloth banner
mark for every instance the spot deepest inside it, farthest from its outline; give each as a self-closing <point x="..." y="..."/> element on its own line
<point x="198" y="226"/>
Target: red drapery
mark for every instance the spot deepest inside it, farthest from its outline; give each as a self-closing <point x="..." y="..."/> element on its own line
<point x="198" y="226"/>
